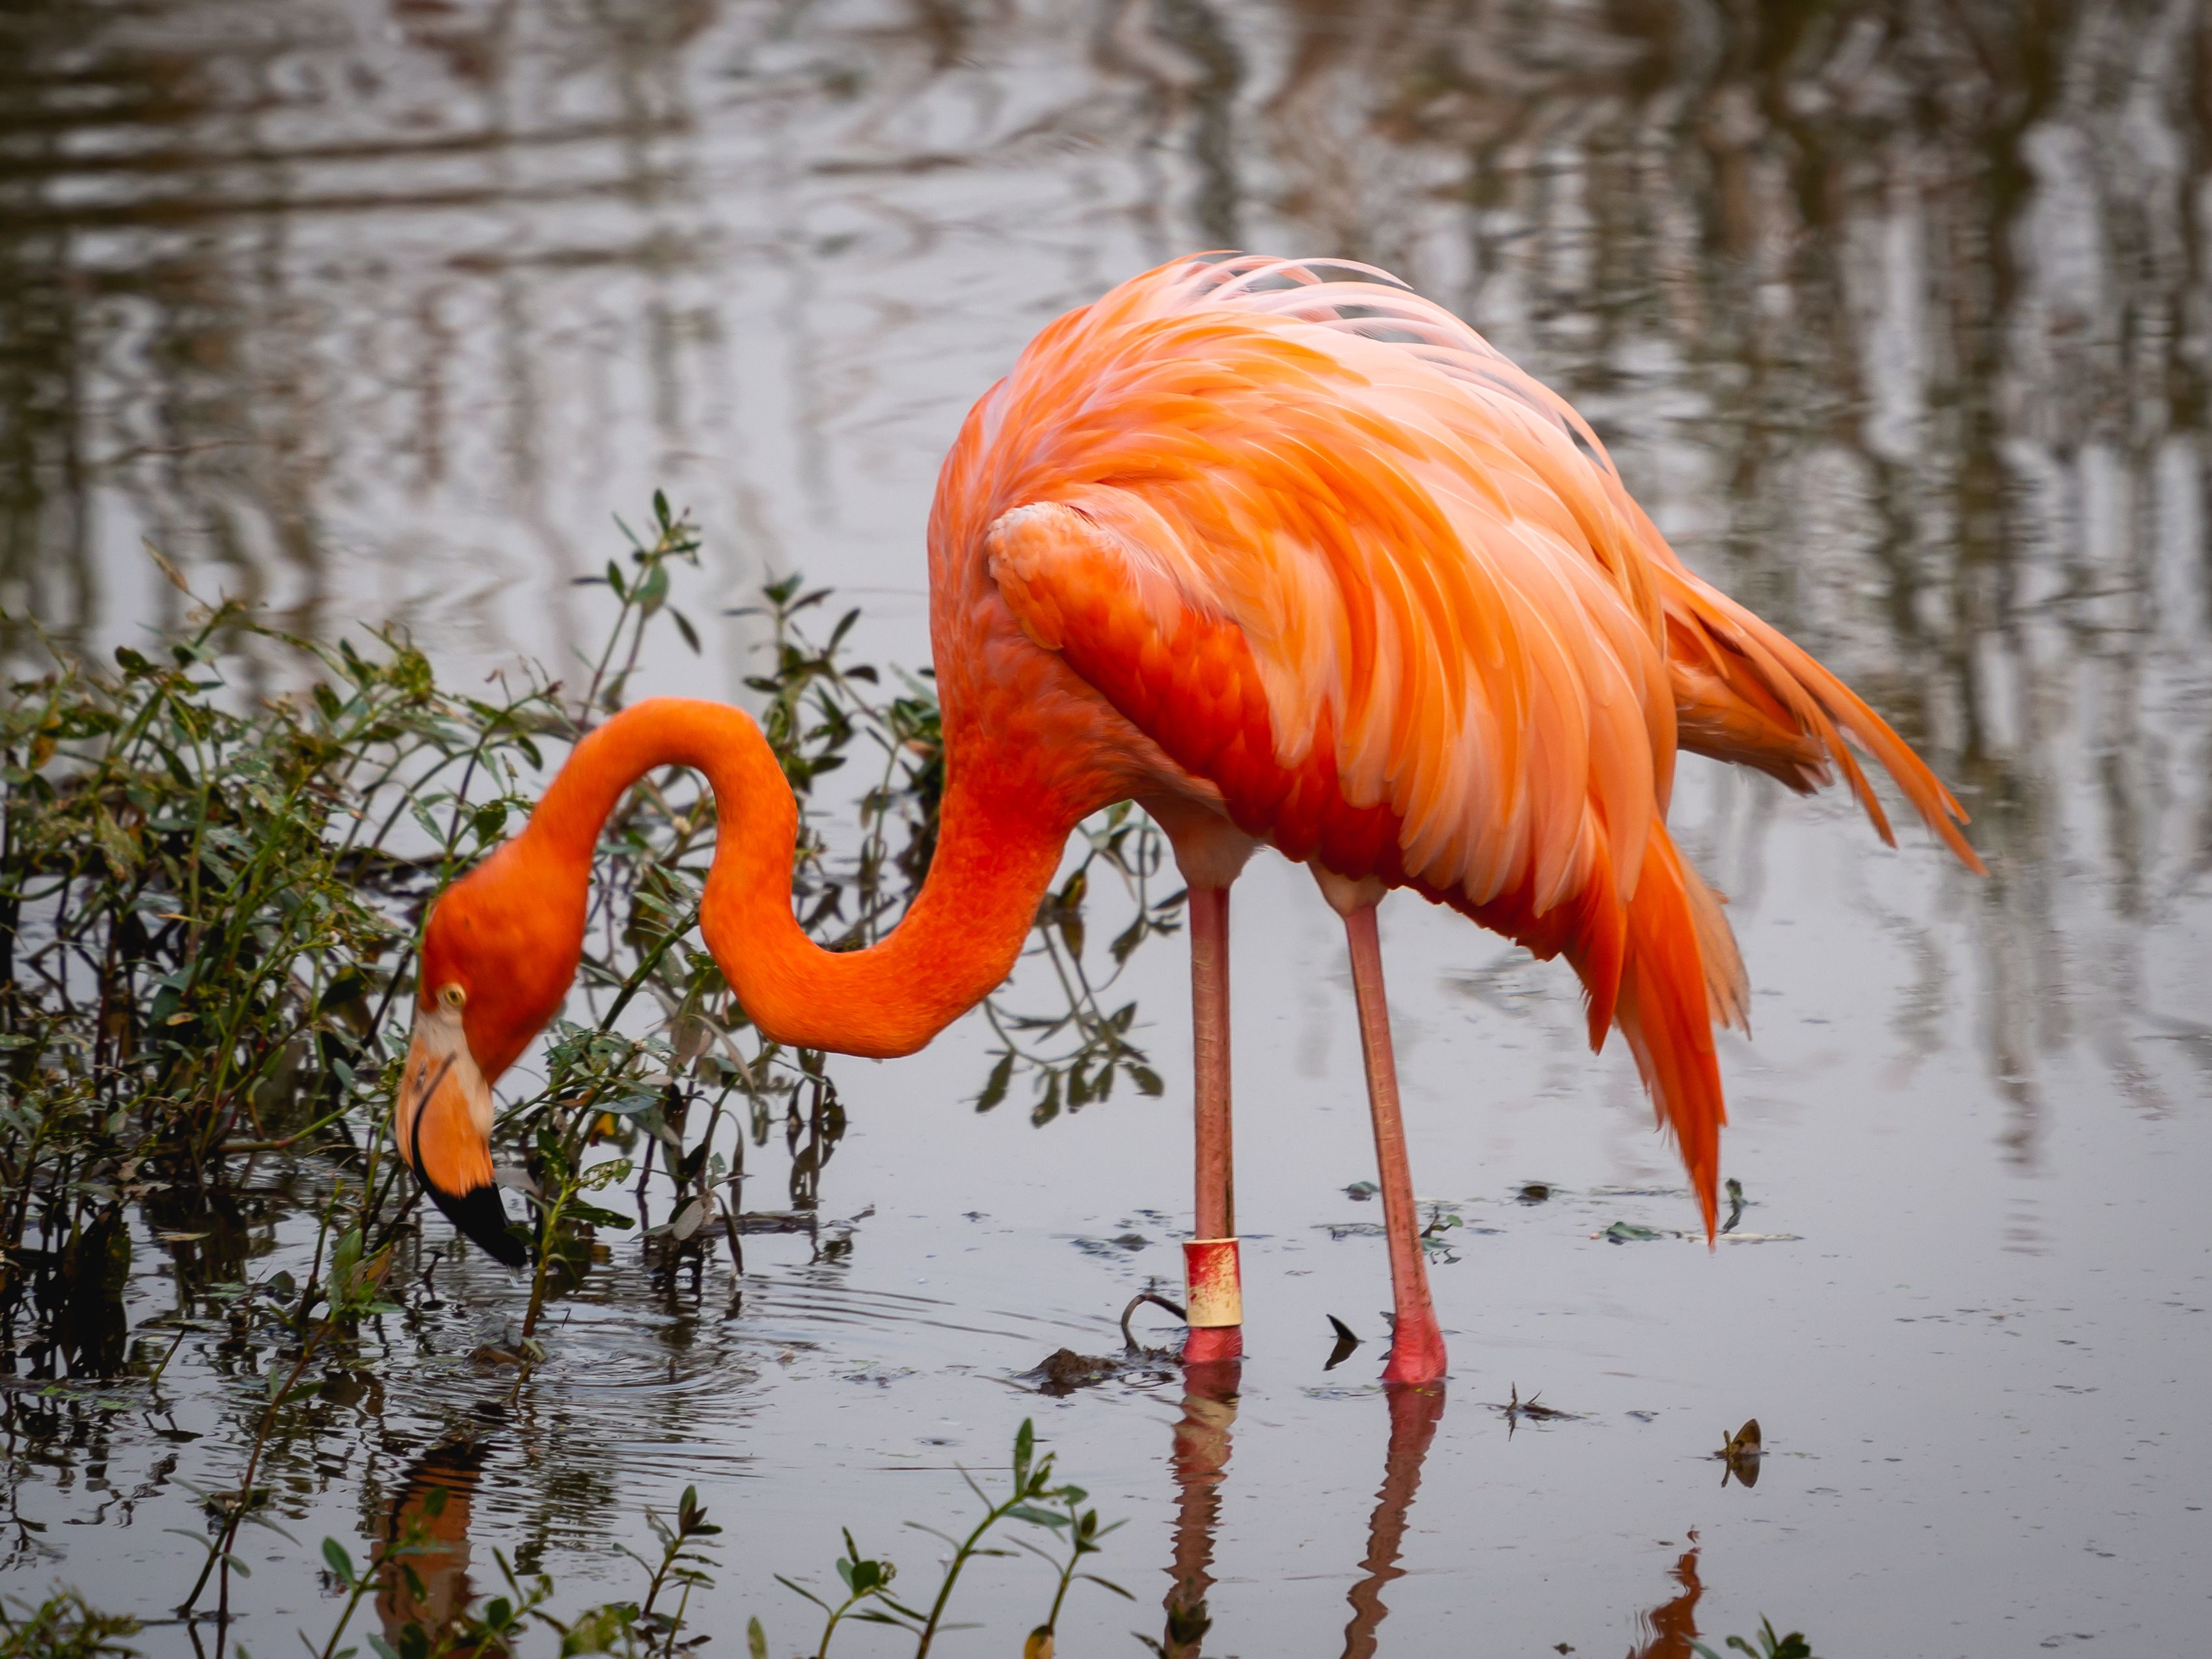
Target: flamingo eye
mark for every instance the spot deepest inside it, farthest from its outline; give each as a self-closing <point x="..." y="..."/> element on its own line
<point x="452" y="996"/>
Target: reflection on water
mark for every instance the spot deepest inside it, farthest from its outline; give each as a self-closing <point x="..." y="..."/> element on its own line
<point x="423" y="1570"/>
<point x="1670" y="1629"/>
<point x="1200" y="1462"/>
<point x="1414" y="1415"/>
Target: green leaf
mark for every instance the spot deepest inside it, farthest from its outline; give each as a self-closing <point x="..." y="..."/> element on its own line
<point x="597" y="1629"/>
<point x="802" y="1591"/>
<point x="995" y="1087"/>
<point x="591" y="1215"/>
<point x="1024" y="1451"/>
<point x="755" y="1640"/>
<point x="341" y="1567"/>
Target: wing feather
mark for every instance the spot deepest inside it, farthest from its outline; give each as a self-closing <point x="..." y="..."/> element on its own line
<point x="1345" y="563"/>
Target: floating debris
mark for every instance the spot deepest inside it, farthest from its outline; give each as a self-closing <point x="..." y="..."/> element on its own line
<point x="1736" y="1205"/>
<point x="1630" y="1232"/>
<point x="1128" y="1338"/>
<point x="1532" y="1408"/>
<point x="1535" y="1192"/>
<point x="1741" y="1452"/>
<point x="1360" y="1191"/>
<point x="882" y="1376"/>
<point x="1063" y="1371"/>
<point x="1345" y="1342"/>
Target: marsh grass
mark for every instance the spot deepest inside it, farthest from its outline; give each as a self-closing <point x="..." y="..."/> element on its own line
<point x="208" y="901"/>
<point x="1033" y="1498"/>
<point x="64" y="1626"/>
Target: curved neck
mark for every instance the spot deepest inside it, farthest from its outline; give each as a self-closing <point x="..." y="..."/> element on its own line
<point x="996" y="857"/>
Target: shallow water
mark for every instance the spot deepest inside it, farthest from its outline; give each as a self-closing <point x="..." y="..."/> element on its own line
<point x="1898" y="321"/>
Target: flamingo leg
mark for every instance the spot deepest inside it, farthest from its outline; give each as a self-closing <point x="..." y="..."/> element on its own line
<point x="1213" y="1253"/>
<point x="1417" y="1344"/>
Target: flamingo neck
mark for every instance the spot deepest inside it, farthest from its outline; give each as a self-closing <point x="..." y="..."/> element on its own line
<point x="997" y="851"/>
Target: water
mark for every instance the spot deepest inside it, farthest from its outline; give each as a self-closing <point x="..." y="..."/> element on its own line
<point x="1898" y="318"/>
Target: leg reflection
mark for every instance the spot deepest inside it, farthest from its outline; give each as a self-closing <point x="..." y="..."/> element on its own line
<point x="1201" y="1462"/>
<point x="423" y="1570"/>
<point x="1414" y="1415"/>
<point x="1673" y="1625"/>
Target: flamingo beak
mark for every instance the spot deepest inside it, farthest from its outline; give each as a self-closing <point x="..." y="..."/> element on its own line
<point x="442" y="1123"/>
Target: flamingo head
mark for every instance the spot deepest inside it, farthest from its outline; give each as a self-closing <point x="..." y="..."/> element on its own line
<point x="498" y="954"/>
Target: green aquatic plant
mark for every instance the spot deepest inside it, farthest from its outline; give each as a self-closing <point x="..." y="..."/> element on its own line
<point x="63" y="1627"/>
<point x="209" y="896"/>
<point x="1771" y="1646"/>
<point x="1032" y="1498"/>
<point x="631" y="1629"/>
<point x="208" y="899"/>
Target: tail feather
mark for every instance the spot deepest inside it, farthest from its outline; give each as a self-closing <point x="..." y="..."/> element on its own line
<point x="1747" y="693"/>
<point x="1671" y="993"/>
<point x="1728" y="987"/>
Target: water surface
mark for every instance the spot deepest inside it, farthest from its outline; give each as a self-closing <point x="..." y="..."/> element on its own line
<point x="1898" y="320"/>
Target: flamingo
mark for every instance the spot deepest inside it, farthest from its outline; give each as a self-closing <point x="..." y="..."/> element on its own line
<point x="1285" y="553"/>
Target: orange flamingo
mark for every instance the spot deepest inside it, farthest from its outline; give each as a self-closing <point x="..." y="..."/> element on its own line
<point x="1287" y="554"/>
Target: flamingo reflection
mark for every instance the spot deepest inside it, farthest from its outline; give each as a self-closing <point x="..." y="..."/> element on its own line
<point x="1673" y="1625"/>
<point x="423" y="1569"/>
<point x="1414" y="1415"/>
<point x="1200" y="1461"/>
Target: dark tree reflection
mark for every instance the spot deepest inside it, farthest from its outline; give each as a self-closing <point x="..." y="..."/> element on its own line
<point x="1897" y="315"/>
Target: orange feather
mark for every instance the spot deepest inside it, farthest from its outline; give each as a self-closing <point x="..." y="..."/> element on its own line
<point x="1279" y="542"/>
<point x="1382" y="597"/>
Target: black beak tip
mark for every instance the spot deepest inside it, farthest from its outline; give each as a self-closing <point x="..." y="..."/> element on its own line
<point x="481" y="1215"/>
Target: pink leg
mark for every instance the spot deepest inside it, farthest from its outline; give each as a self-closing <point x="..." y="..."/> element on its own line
<point x="1216" y="1207"/>
<point x="1416" y="1346"/>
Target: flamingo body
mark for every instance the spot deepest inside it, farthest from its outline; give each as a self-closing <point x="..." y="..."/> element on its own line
<point x="1352" y="579"/>
<point x="1292" y="556"/>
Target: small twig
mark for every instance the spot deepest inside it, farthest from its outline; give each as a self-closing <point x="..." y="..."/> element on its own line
<point x="1137" y="1301"/>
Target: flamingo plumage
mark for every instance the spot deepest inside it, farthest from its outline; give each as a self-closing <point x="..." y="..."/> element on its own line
<point x="1289" y="555"/>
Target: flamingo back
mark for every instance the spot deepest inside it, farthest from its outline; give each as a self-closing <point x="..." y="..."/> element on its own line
<point x="1349" y="567"/>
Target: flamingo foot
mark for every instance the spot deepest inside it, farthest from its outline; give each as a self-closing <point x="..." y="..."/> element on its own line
<point x="1417" y="1353"/>
<point x="1212" y="1344"/>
